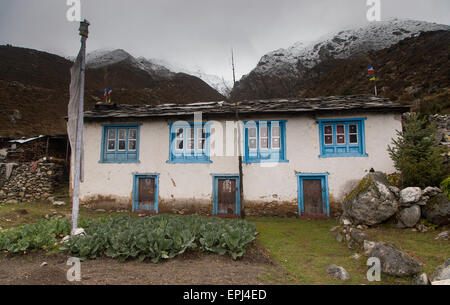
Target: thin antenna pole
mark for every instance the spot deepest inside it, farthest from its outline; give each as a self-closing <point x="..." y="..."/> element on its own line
<point x="241" y="174"/>
<point x="232" y="64"/>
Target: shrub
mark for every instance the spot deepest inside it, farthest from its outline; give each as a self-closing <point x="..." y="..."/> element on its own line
<point x="445" y="186"/>
<point x="417" y="155"/>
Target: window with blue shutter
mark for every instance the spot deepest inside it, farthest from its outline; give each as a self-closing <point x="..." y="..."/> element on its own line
<point x="189" y="143"/>
<point x="342" y="138"/>
<point x="265" y="141"/>
<point x="120" y="143"/>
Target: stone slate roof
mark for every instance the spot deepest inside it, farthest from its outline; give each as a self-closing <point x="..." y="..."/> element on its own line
<point x="270" y="106"/>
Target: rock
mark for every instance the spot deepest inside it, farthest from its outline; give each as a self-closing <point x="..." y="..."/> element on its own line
<point x="100" y="210"/>
<point x="410" y="195"/>
<point x="12" y="201"/>
<point x="65" y="239"/>
<point x="78" y="232"/>
<point x="339" y="237"/>
<point x="431" y="191"/>
<point x="371" y="202"/>
<point x="338" y="272"/>
<point x="346" y="222"/>
<point x="59" y="203"/>
<point x="410" y="216"/>
<point x="359" y="236"/>
<point x="356" y="256"/>
<point x="368" y="246"/>
<point x="395" y="190"/>
<point x="421" y="279"/>
<point x="443" y="235"/>
<point x="421" y="228"/>
<point x="442" y="272"/>
<point x="437" y="210"/>
<point x="394" y="261"/>
<point x="44" y="264"/>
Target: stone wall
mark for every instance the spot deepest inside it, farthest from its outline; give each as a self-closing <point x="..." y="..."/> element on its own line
<point x="31" y="181"/>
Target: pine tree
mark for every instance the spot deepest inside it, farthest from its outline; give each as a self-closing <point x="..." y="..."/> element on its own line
<point x="417" y="154"/>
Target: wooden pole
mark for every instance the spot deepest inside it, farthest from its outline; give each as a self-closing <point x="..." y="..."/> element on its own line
<point x="79" y="133"/>
<point x="241" y="174"/>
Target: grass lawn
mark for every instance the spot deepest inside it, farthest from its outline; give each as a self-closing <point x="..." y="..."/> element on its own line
<point x="305" y="248"/>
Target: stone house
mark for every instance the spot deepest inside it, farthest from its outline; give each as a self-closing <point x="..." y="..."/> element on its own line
<point x="300" y="156"/>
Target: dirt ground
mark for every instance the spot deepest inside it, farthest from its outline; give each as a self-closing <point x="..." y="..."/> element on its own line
<point x="191" y="269"/>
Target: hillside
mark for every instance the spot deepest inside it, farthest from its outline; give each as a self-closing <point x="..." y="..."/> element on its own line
<point x="34" y="89"/>
<point x="284" y="72"/>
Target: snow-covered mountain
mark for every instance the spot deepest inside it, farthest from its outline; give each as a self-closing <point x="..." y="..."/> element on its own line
<point x="158" y="68"/>
<point x="375" y="36"/>
<point x="282" y="73"/>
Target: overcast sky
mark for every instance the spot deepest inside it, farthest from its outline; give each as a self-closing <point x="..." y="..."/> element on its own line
<point x="196" y="32"/>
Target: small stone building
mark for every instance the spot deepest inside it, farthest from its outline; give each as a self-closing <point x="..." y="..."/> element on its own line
<point x="299" y="156"/>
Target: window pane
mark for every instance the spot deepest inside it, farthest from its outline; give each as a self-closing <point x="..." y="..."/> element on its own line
<point x="252" y="144"/>
<point x="132" y="134"/>
<point x="111" y="145"/>
<point x="275" y="142"/>
<point x="353" y="129"/>
<point x="252" y="132"/>
<point x="122" y="145"/>
<point x="132" y="145"/>
<point x="341" y="139"/>
<point x="263" y="131"/>
<point x="328" y="140"/>
<point x="264" y="143"/>
<point x="179" y="144"/>
<point x="190" y="144"/>
<point x="111" y="134"/>
<point x="122" y="134"/>
<point x="275" y="131"/>
<point x="340" y="129"/>
<point x="179" y="132"/>
<point x="328" y="129"/>
<point x="201" y="144"/>
<point x="353" y="138"/>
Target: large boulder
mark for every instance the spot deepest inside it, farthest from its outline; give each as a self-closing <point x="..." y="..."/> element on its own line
<point x="393" y="261"/>
<point x="442" y="272"/>
<point x="371" y="202"/>
<point x="409" y="217"/>
<point x="437" y="210"/>
<point x="410" y="195"/>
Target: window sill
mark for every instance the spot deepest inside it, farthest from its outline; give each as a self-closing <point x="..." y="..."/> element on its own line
<point x="344" y="156"/>
<point x="264" y="161"/>
<point x="119" y="162"/>
<point x="189" y="161"/>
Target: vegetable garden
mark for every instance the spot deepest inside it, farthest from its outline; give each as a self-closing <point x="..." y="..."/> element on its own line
<point x="155" y="238"/>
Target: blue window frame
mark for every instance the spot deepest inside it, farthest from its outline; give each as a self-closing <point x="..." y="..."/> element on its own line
<point x="265" y="141"/>
<point x="324" y="186"/>
<point x="342" y="138"/>
<point x="189" y="143"/>
<point x="120" y="143"/>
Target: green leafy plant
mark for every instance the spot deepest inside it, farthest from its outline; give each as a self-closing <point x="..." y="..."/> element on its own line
<point x="417" y="155"/>
<point x="445" y="186"/>
<point x="161" y="237"/>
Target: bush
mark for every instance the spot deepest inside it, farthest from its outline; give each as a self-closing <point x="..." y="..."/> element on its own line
<point x="417" y="155"/>
<point x="445" y="186"/>
<point x="40" y="235"/>
<point x="161" y="237"/>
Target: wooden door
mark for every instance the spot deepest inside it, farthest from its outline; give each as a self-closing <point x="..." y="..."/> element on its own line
<point x="146" y="193"/>
<point x="226" y="196"/>
<point x="312" y="196"/>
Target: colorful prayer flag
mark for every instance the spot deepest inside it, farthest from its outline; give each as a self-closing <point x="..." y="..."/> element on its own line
<point x="371" y="72"/>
